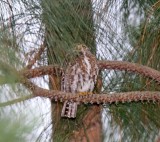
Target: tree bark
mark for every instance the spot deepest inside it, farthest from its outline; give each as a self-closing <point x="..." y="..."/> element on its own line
<point x="60" y="36"/>
<point x="91" y="130"/>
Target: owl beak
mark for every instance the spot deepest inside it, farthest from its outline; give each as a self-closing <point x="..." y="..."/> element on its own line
<point x="77" y="49"/>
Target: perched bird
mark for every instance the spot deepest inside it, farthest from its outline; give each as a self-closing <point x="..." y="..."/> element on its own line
<point x="79" y="77"/>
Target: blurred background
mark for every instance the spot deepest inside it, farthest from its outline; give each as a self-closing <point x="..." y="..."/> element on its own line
<point x="113" y="29"/>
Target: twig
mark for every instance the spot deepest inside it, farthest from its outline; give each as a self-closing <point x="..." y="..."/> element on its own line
<point x="156" y="5"/>
<point x="8" y="103"/>
<point x="11" y="18"/>
<point x="36" y="57"/>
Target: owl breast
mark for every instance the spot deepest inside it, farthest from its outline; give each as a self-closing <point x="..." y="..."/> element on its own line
<point x="81" y="76"/>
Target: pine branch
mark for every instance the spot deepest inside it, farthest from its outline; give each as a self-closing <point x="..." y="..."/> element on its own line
<point x="40" y="71"/>
<point x="15" y="101"/>
<point x="94" y="98"/>
<point x="131" y="67"/>
<point x="114" y="65"/>
<point x="56" y="95"/>
<point x="156" y="5"/>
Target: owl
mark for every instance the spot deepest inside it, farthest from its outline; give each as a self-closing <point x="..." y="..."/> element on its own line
<point x="80" y="77"/>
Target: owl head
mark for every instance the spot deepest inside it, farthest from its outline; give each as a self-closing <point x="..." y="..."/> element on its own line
<point x="81" y="48"/>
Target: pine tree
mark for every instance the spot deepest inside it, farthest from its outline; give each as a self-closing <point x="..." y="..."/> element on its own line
<point x="37" y="37"/>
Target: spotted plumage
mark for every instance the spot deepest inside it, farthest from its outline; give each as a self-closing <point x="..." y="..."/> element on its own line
<point x="80" y="76"/>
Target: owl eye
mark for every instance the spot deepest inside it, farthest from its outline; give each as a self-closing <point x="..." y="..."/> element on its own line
<point x="83" y="46"/>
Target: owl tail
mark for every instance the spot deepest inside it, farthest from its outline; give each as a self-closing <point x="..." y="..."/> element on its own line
<point x="69" y="109"/>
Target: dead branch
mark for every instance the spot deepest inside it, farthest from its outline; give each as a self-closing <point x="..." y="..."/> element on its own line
<point x="36" y="57"/>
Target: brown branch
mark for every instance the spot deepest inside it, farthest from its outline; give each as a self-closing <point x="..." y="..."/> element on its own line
<point x="44" y="70"/>
<point x="102" y="98"/>
<point x="94" y="98"/>
<point x="156" y="5"/>
<point x="132" y="67"/>
<point x="36" y="57"/>
<point x="114" y="65"/>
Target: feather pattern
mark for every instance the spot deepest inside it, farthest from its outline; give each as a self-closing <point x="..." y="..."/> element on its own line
<point x="80" y="76"/>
